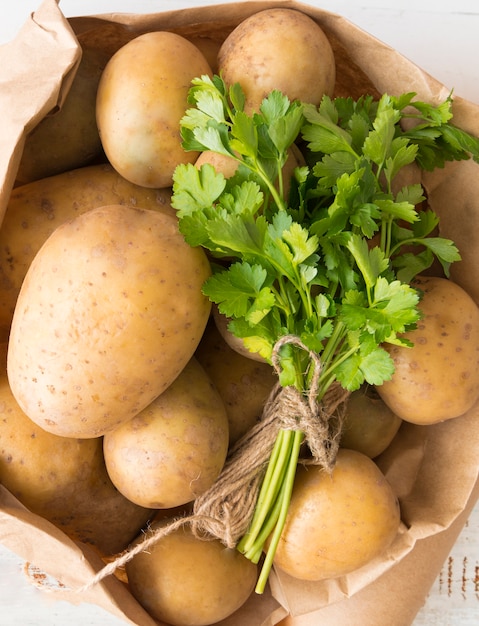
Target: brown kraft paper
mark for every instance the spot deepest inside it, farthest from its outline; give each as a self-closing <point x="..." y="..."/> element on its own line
<point x="433" y="469"/>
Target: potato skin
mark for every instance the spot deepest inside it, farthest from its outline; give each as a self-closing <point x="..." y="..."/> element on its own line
<point x="234" y="342"/>
<point x="438" y="378"/>
<point x="174" y="449"/>
<point x="369" y="425"/>
<point x="36" y="209"/>
<point x="281" y="49"/>
<point x="243" y="383"/>
<point x="337" y="523"/>
<point x="215" y="581"/>
<point x="64" y="480"/>
<point x="68" y="138"/>
<point x="141" y="99"/>
<point x="117" y="295"/>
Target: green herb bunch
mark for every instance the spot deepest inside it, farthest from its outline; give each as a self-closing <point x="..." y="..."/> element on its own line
<point x="331" y="261"/>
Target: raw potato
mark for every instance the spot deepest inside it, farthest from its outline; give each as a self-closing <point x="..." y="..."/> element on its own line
<point x="186" y="581"/>
<point x="68" y="138"/>
<point x="243" y="384"/>
<point x="64" y="480"/>
<point x="222" y="163"/>
<point x="35" y="210"/>
<point x="141" y="98"/>
<point x="438" y="378"/>
<point x="369" y="424"/>
<point x="117" y="295"/>
<point x="337" y="523"/>
<point x="235" y="343"/>
<point x="174" y="449"/>
<point x="280" y="49"/>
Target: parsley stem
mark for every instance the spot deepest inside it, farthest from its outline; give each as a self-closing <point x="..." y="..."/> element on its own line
<point x="269" y="491"/>
<point x="406" y="242"/>
<point x="386" y="235"/>
<point x="277" y="197"/>
<point x="290" y="308"/>
<point x="279" y="178"/>
<point x="257" y="548"/>
<point x="339" y="358"/>
<point x="332" y="346"/>
<point x="285" y="499"/>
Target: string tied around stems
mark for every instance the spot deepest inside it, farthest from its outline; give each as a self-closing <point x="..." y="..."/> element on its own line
<point x="321" y="422"/>
<point x="226" y="509"/>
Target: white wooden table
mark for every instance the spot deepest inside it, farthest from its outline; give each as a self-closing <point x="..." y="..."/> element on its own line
<point x="442" y="38"/>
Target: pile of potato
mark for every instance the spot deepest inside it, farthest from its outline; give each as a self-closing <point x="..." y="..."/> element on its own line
<point x="121" y="392"/>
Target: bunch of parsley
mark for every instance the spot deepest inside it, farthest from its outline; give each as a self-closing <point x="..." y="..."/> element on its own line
<point x="331" y="263"/>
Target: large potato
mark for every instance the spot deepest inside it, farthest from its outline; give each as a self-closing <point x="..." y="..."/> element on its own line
<point x="141" y="99"/>
<point x="437" y="378"/>
<point x="337" y="523"/>
<point x="109" y="313"/>
<point x="279" y="49"/>
<point x="185" y="581"/>
<point x="36" y="209"/>
<point x="173" y="450"/>
<point x="68" y="138"/>
<point x="64" y="480"/>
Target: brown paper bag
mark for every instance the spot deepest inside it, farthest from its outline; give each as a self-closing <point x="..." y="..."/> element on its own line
<point x="433" y="469"/>
<point x="38" y="80"/>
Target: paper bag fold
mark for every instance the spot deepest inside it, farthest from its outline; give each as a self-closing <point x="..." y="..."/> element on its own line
<point x="41" y="62"/>
<point x="433" y="470"/>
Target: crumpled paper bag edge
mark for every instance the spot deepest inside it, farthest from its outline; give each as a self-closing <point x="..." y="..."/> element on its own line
<point x="345" y="27"/>
<point x="35" y="47"/>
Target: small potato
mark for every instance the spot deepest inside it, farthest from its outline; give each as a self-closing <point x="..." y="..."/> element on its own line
<point x="280" y="49"/>
<point x="36" y="209"/>
<point x="64" y="480"/>
<point x="68" y="138"/>
<point x="243" y="384"/>
<point x="369" y="424"/>
<point x="337" y="523"/>
<point x="438" y="378"/>
<point x="141" y="99"/>
<point x="174" y="449"/>
<point x="110" y="312"/>
<point x="235" y="343"/>
<point x="222" y="163"/>
<point x="185" y="581"/>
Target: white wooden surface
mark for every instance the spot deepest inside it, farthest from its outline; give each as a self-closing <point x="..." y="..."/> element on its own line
<point x="442" y="38"/>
